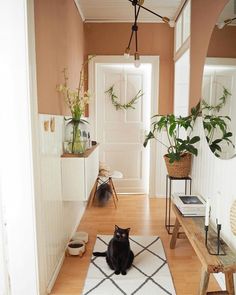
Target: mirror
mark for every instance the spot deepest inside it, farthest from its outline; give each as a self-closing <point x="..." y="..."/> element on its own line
<point x="219" y="86"/>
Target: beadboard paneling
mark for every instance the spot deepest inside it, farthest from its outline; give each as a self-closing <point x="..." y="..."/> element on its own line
<point x="56" y="219"/>
<point x="215" y="178"/>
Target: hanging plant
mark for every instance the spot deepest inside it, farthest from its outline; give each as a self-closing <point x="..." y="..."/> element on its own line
<point x="119" y="106"/>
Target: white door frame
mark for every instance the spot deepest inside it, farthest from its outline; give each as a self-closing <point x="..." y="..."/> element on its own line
<point x="112" y="59"/>
<point x="19" y="169"/>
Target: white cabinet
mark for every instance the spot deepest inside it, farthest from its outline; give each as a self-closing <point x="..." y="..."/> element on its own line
<point x="79" y="174"/>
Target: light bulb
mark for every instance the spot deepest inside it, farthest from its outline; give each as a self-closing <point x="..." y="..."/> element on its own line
<point x="140" y="2"/>
<point x="224" y="23"/>
<point x="127" y="53"/>
<point x="137" y="61"/>
<point x="165" y="19"/>
<point x="221" y="25"/>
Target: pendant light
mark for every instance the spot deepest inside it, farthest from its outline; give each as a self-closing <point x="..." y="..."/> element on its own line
<point x="138" y="4"/>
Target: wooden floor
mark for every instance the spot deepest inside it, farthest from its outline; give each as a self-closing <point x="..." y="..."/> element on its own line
<point x="145" y="217"/>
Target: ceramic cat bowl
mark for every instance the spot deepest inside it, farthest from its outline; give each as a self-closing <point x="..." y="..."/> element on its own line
<point x="80" y="235"/>
<point x="76" y="248"/>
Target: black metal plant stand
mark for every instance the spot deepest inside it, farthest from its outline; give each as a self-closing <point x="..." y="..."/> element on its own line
<point x="169" y="180"/>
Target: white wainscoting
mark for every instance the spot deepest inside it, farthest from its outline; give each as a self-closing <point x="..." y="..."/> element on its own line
<point x="212" y="176"/>
<point x="56" y="219"/>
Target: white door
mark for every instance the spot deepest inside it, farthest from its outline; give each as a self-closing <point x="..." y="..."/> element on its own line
<point x="121" y="132"/>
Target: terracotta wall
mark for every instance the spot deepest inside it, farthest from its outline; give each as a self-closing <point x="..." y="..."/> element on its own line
<point x="204" y="14"/>
<point x="154" y="39"/>
<point x="223" y="42"/>
<point x="59" y="44"/>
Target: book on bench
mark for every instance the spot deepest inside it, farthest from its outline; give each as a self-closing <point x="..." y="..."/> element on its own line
<point x="189" y="205"/>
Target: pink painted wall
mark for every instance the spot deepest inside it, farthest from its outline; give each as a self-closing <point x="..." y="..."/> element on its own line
<point x="154" y="39"/>
<point x="223" y="42"/>
<point x="59" y="44"/>
<point x="204" y="14"/>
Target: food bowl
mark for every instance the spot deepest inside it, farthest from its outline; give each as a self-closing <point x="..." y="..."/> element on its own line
<point x="76" y="247"/>
<point x="80" y="235"/>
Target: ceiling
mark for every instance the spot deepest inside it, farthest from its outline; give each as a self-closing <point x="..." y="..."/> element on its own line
<point x="123" y="11"/>
<point x="228" y="12"/>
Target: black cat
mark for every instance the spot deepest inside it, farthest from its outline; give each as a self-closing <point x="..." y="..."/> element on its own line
<point x="119" y="256"/>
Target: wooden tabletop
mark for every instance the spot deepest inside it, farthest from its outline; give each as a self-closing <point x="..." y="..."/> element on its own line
<point x="195" y="231"/>
<point x="86" y="154"/>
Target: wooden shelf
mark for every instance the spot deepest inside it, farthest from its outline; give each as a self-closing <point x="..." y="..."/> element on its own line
<point x="86" y="154"/>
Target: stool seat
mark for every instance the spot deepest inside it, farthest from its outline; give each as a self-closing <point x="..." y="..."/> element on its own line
<point x="113" y="174"/>
<point x="116" y="174"/>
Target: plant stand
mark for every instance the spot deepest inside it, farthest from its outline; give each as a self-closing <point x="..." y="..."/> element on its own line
<point x="169" y="180"/>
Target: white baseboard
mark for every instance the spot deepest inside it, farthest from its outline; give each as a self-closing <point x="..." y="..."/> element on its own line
<point x="61" y="260"/>
<point x="55" y="274"/>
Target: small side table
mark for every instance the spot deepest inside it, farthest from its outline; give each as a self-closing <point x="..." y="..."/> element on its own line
<point x="169" y="180"/>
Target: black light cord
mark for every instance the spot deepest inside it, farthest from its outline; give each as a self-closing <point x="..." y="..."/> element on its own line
<point x="134" y="25"/>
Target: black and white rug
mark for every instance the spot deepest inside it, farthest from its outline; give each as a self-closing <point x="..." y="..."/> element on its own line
<point x="148" y="275"/>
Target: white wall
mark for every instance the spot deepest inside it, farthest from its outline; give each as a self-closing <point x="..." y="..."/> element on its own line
<point x="212" y="175"/>
<point x="56" y="219"/>
<point x="17" y="158"/>
<point x="181" y="90"/>
<point x="4" y="287"/>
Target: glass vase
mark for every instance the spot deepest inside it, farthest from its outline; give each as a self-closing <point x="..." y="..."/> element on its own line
<point x="76" y="137"/>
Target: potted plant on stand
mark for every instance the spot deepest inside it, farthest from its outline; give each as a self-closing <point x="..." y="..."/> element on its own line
<point x="180" y="145"/>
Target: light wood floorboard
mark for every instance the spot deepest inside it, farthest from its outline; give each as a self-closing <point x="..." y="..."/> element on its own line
<point x="145" y="217"/>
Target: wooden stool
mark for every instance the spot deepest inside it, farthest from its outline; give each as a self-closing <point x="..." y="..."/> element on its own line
<point x="103" y="179"/>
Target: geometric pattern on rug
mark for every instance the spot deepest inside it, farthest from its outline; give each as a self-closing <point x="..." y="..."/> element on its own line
<point x="149" y="273"/>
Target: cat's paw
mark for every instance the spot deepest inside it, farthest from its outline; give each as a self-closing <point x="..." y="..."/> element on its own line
<point x="123" y="272"/>
<point x="117" y="272"/>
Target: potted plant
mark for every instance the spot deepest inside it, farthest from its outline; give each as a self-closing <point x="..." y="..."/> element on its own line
<point x="179" y="148"/>
<point x="77" y="101"/>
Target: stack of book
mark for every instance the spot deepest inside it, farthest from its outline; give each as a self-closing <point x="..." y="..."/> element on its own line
<point x="189" y="205"/>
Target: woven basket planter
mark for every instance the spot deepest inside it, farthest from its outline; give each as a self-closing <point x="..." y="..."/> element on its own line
<point x="181" y="168"/>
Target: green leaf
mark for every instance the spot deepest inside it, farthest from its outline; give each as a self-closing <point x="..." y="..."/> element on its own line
<point x="147" y="138"/>
<point x="194" y="139"/>
<point x="192" y="150"/>
<point x="172" y="128"/>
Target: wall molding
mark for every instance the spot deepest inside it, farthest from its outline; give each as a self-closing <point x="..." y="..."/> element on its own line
<point x="79" y="9"/>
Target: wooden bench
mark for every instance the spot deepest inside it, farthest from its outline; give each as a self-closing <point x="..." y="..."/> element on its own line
<point x="194" y="230"/>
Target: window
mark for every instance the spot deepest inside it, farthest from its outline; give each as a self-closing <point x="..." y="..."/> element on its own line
<point x="182" y="27"/>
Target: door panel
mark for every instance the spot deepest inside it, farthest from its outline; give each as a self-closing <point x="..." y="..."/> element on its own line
<point x="121" y="132"/>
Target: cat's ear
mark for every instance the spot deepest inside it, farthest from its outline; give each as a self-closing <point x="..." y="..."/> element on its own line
<point x="128" y="229"/>
<point x="116" y="227"/>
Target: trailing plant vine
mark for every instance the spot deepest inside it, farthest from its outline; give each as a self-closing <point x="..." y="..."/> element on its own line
<point x="214" y="124"/>
<point x="119" y="106"/>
